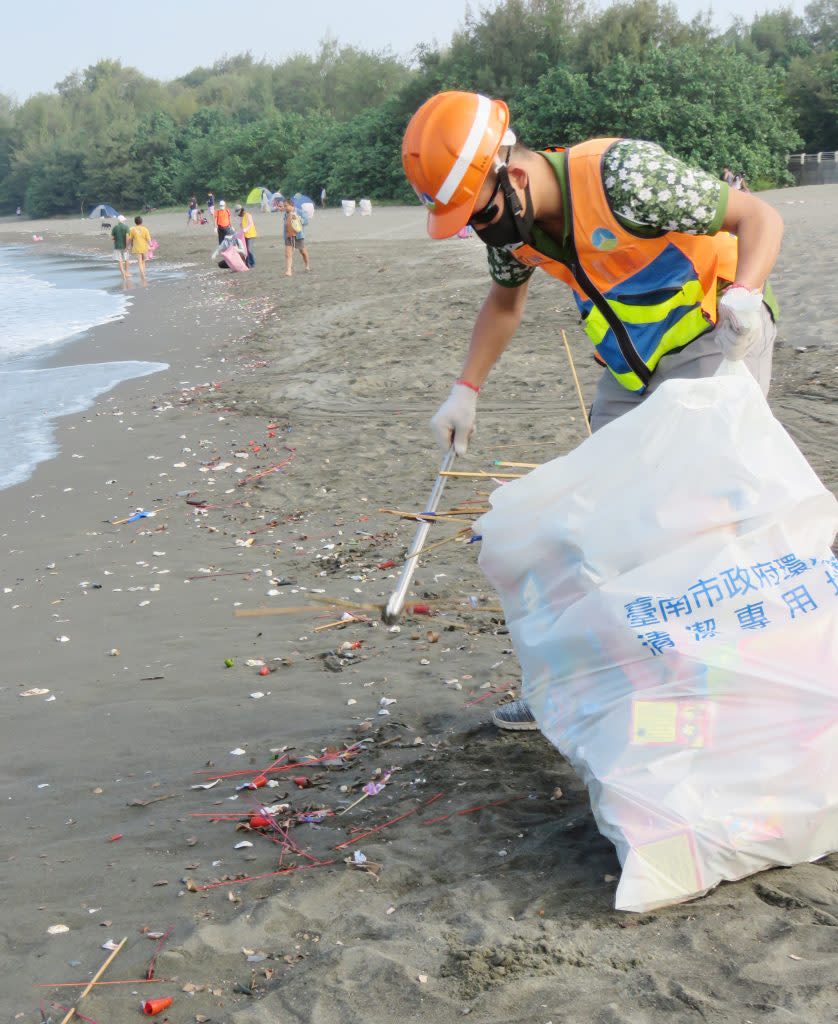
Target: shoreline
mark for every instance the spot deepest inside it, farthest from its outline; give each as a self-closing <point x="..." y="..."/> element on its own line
<point x="347" y="363"/>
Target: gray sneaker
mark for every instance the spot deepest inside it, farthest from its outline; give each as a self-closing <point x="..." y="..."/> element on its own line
<point x="514" y="715"/>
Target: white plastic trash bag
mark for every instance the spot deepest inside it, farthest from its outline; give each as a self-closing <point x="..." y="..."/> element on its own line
<point x="673" y="600"/>
<point x="365" y="207"/>
<point x="348" y="206"/>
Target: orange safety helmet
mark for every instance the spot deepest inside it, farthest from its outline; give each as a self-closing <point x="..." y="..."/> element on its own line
<point x="449" y="150"/>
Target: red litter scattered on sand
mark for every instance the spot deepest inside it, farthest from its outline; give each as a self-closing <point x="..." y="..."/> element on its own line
<point x="258" y="782"/>
<point x="300" y="781"/>
<point x="420" y="609"/>
<point x="154" y="1006"/>
<point x="264" y="671"/>
<point x="260" y="821"/>
<point x="115" y="837"/>
<point x="389" y="564"/>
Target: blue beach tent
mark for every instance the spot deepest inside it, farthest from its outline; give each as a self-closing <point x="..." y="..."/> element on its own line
<point x="103" y="210"/>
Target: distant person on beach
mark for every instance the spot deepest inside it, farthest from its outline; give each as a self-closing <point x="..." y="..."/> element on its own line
<point x="211" y="206"/>
<point x="139" y="238"/>
<point x="295" y="238"/>
<point x="119" y="234"/>
<point x="18" y="212"/>
<point x="668" y="265"/>
<point x="222" y="220"/>
<point x="323" y="198"/>
<point x="727" y="176"/>
<point x="248" y="228"/>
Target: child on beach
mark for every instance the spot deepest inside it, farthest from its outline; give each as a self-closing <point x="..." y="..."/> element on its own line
<point x="139" y="238"/>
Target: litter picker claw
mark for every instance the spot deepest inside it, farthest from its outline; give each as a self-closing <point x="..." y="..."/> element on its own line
<point x="396" y="602"/>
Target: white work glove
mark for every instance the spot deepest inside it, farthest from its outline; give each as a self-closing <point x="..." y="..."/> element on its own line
<point x="454" y="422"/>
<point x="740" y="321"/>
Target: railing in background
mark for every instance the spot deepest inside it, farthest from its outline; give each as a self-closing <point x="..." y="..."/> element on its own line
<point x="814" y="168"/>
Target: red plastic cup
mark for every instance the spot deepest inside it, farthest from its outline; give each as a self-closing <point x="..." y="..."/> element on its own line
<point x="258" y="782"/>
<point x="260" y="821"/>
<point x="155" y="1006"/>
<point x="264" y="671"/>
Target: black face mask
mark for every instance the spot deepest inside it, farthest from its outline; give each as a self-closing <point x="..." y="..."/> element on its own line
<point x="515" y="223"/>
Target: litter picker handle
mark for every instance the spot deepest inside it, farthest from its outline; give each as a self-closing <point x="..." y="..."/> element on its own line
<point x="397" y="598"/>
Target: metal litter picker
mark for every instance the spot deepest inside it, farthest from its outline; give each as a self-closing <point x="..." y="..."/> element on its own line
<point x="396" y="602"/>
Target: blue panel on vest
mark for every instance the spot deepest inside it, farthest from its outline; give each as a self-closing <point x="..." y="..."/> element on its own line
<point x="664" y="276"/>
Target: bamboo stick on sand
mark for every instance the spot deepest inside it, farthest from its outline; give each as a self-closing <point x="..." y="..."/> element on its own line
<point x="72" y="1011"/>
<point x="576" y="382"/>
<point x="439" y="543"/>
<point x="482" y="475"/>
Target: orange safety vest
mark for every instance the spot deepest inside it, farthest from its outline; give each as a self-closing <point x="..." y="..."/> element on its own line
<point x="639" y="297"/>
<point x="222" y="218"/>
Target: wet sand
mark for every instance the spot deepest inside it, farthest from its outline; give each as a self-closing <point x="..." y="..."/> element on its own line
<point x="504" y="913"/>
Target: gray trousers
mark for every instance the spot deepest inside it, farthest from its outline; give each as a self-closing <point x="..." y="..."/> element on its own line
<point x="701" y="358"/>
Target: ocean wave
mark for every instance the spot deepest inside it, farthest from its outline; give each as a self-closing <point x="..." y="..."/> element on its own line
<point x="35" y="313"/>
<point x="35" y="399"/>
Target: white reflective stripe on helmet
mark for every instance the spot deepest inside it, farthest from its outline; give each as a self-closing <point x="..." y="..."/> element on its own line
<point x="463" y="161"/>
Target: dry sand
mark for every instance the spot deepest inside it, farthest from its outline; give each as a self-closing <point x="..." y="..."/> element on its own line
<point x="503" y="914"/>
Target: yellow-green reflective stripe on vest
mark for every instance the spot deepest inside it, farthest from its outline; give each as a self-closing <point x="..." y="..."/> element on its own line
<point x="686" y="329"/>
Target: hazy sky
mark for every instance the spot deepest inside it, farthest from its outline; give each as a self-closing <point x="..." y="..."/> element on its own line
<point x="166" y="38"/>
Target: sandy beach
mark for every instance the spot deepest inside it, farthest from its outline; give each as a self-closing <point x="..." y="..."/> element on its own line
<point x="293" y="412"/>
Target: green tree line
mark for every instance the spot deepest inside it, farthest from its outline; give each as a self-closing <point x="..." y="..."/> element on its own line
<point x="744" y="98"/>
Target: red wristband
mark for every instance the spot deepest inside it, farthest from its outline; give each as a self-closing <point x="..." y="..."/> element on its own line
<point x="468" y="384"/>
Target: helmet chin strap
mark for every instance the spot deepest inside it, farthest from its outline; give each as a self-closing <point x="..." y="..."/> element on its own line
<point x="522" y="214"/>
<point x="510" y="195"/>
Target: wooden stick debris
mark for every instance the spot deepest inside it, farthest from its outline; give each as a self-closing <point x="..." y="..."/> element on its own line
<point x="99" y="984"/>
<point x="249" y="613"/>
<point x="482" y="475"/>
<point x="425" y="517"/>
<point x="355" y="804"/>
<point x="341" y="622"/>
<point x="576" y="381"/>
<point x="417" y="608"/>
<point x="517" y="465"/>
<point x="114" y="954"/>
<point x="524" y="444"/>
<point x="254" y="878"/>
<point x="438" y="544"/>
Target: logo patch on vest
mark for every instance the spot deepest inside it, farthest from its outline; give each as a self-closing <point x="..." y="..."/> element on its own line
<point x="604" y="239"/>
